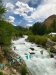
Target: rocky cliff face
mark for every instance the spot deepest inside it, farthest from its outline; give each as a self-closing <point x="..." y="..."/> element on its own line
<point x="50" y="44"/>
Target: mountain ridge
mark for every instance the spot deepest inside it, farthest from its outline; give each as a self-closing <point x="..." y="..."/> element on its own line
<point x="50" y="20"/>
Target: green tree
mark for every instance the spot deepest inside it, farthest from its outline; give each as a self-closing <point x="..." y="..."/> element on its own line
<point x="39" y="29"/>
<point x="2" y="10"/>
<point x="35" y="28"/>
<point x="53" y="26"/>
<point x="6" y="33"/>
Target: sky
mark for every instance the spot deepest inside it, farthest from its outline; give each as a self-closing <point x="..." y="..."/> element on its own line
<point x="27" y="12"/>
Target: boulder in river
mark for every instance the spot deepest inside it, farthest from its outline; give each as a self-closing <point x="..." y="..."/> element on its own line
<point x="31" y="52"/>
<point x="32" y="49"/>
<point x="51" y="55"/>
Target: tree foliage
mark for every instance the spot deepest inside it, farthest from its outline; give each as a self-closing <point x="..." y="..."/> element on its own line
<point x="2" y="10"/>
<point x="53" y="26"/>
<point x="39" y="29"/>
<point x="6" y="33"/>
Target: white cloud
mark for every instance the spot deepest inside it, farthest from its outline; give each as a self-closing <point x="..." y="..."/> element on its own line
<point x="11" y="19"/>
<point x="44" y="10"/>
<point x="29" y="24"/>
<point x="24" y="7"/>
<point x="23" y="10"/>
<point x="14" y="24"/>
<point x="24" y="1"/>
<point x="10" y="5"/>
<point x="34" y="1"/>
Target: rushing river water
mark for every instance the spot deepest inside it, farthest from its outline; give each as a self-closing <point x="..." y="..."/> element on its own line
<point x="38" y="64"/>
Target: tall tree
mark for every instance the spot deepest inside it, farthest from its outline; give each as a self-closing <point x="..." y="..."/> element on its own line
<point x="35" y="28"/>
<point x="2" y="10"/>
<point x="53" y="26"/>
<point x="6" y="33"/>
<point x="39" y="29"/>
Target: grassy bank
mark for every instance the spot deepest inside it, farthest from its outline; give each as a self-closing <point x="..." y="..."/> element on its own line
<point x="40" y="40"/>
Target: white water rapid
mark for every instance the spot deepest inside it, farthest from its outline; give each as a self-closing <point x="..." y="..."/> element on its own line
<point x="38" y="64"/>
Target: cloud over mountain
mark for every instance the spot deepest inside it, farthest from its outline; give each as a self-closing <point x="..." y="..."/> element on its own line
<point x="29" y="13"/>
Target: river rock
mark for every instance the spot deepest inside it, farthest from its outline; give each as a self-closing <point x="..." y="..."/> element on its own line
<point x="51" y="55"/>
<point x="31" y="52"/>
<point x="14" y="71"/>
<point x="50" y="44"/>
<point x="32" y="49"/>
<point x="11" y="55"/>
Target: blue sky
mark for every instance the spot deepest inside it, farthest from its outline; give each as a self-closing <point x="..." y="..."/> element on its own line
<point x="27" y="12"/>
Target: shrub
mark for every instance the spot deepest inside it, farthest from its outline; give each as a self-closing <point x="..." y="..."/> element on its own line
<point x="28" y="32"/>
<point x="0" y="60"/>
<point x="53" y="38"/>
<point x="40" y="40"/>
<point x="20" y="34"/>
<point x="43" y="41"/>
<point x="23" y="70"/>
<point x="37" y="39"/>
<point x="1" y="73"/>
<point x="31" y="38"/>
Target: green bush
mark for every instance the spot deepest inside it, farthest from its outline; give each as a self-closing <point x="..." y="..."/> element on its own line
<point x="28" y="32"/>
<point x="40" y="40"/>
<point x="0" y="60"/>
<point x="31" y="38"/>
<point x="1" y="73"/>
<point x="43" y="41"/>
<point x="53" y="38"/>
<point x="37" y="39"/>
<point x="23" y="70"/>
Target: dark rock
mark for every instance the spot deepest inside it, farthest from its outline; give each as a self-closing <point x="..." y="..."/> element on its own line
<point x="50" y="44"/>
<point x="51" y="55"/>
<point x="31" y="52"/>
<point x="25" y="53"/>
<point x="32" y="49"/>
<point x="38" y="45"/>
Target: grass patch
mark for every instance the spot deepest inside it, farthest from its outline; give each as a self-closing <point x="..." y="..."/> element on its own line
<point x="23" y="70"/>
<point x="37" y="39"/>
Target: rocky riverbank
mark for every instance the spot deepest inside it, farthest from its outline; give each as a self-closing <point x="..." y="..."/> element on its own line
<point x="16" y="65"/>
<point x="52" y="45"/>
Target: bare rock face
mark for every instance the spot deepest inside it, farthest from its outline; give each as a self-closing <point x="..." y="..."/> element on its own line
<point x="50" y="44"/>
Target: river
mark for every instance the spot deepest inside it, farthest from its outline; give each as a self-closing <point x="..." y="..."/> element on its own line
<point x="37" y="64"/>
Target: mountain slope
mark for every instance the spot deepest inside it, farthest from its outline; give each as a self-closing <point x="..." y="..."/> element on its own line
<point x="49" y="20"/>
